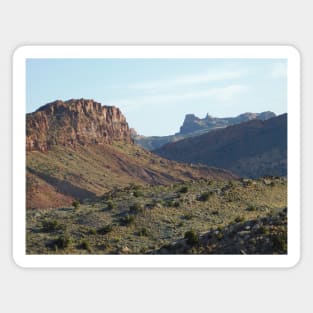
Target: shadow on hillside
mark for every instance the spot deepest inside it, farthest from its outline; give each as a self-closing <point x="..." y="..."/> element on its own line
<point x="64" y="187"/>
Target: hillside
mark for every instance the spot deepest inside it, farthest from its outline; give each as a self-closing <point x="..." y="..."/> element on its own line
<point x="195" y="126"/>
<point x="79" y="149"/>
<point x="237" y="217"/>
<point x="250" y="149"/>
<point x="265" y="235"/>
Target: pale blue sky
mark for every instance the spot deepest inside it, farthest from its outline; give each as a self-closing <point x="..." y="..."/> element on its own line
<point x="155" y="94"/>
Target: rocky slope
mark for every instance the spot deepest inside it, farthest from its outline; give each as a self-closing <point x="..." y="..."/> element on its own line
<point x="195" y="126"/>
<point x="78" y="149"/>
<point x="198" y="216"/>
<point x="251" y="149"/>
<point x="266" y="235"/>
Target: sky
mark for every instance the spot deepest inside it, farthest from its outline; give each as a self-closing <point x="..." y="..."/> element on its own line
<point x="156" y="94"/>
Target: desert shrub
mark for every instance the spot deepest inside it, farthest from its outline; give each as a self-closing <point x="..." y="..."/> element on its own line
<point x="215" y="212"/>
<point x="183" y="189"/>
<point x="62" y="241"/>
<point x="253" y="241"/>
<point x="84" y="245"/>
<point x="50" y="225"/>
<point x="180" y="224"/>
<point x="251" y="208"/>
<point x="188" y="216"/>
<point x="220" y="236"/>
<point x="105" y="229"/>
<point x="111" y="205"/>
<point x="176" y="204"/>
<point x="279" y="242"/>
<point x="264" y="230"/>
<point x="92" y="231"/>
<point x="192" y="237"/>
<point x="136" y="208"/>
<point x="127" y="220"/>
<point x="76" y="204"/>
<point x="143" y="232"/>
<point x="205" y="196"/>
<point x="239" y="219"/>
<point x="171" y="203"/>
<point x="138" y="193"/>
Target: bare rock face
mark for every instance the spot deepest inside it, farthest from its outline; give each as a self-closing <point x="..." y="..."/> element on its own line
<point x="75" y="122"/>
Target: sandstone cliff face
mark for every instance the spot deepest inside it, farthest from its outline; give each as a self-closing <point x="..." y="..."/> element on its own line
<point x="75" y="122"/>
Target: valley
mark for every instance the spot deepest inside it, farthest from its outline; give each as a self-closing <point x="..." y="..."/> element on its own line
<point x="90" y="189"/>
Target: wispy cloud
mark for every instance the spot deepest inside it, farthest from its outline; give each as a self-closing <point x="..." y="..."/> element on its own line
<point x="219" y="94"/>
<point x="182" y="81"/>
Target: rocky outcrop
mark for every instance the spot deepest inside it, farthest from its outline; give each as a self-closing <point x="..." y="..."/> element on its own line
<point x="75" y="122"/>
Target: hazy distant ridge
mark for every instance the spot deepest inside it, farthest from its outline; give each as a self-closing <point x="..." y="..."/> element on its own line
<point x="194" y="126"/>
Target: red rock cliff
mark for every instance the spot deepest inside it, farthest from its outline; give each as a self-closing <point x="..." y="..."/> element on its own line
<point x="75" y="122"/>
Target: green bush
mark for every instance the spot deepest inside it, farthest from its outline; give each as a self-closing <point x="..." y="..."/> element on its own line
<point x="105" y="230"/>
<point x="76" y="204"/>
<point x="192" y="237"/>
<point x="136" y="208"/>
<point x="279" y="242"/>
<point x="50" y="226"/>
<point x="183" y="189"/>
<point x="176" y="204"/>
<point x="84" y="245"/>
<point x="188" y="216"/>
<point x="251" y="208"/>
<point x="264" y="230"/>
<point x="111" y="205"/>
<point x="62" y="242"/>
<point x="205" y="196"/>
<point x="180" y="224"/>
<point x="143" y="232"/>
<point x="239" y="219"/>
<point x="138" y="193"/>
<point x="92" y="231"/>
<point x="220" y="236"/>
<point x="127" y="220"/>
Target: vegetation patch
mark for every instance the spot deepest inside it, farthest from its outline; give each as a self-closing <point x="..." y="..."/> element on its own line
<point x="149" y="222"/>
<point x="192" y="237"/>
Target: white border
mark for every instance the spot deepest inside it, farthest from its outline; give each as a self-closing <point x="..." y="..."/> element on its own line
<point x="155" y="261"/>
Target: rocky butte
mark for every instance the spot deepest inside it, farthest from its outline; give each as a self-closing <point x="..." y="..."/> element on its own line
<point x="73" y="122"/>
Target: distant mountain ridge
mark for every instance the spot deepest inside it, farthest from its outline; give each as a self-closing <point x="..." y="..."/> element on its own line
<point x="193" y="123"/>
<point x="250" y="149"/>
<point x="194" y="126"/>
